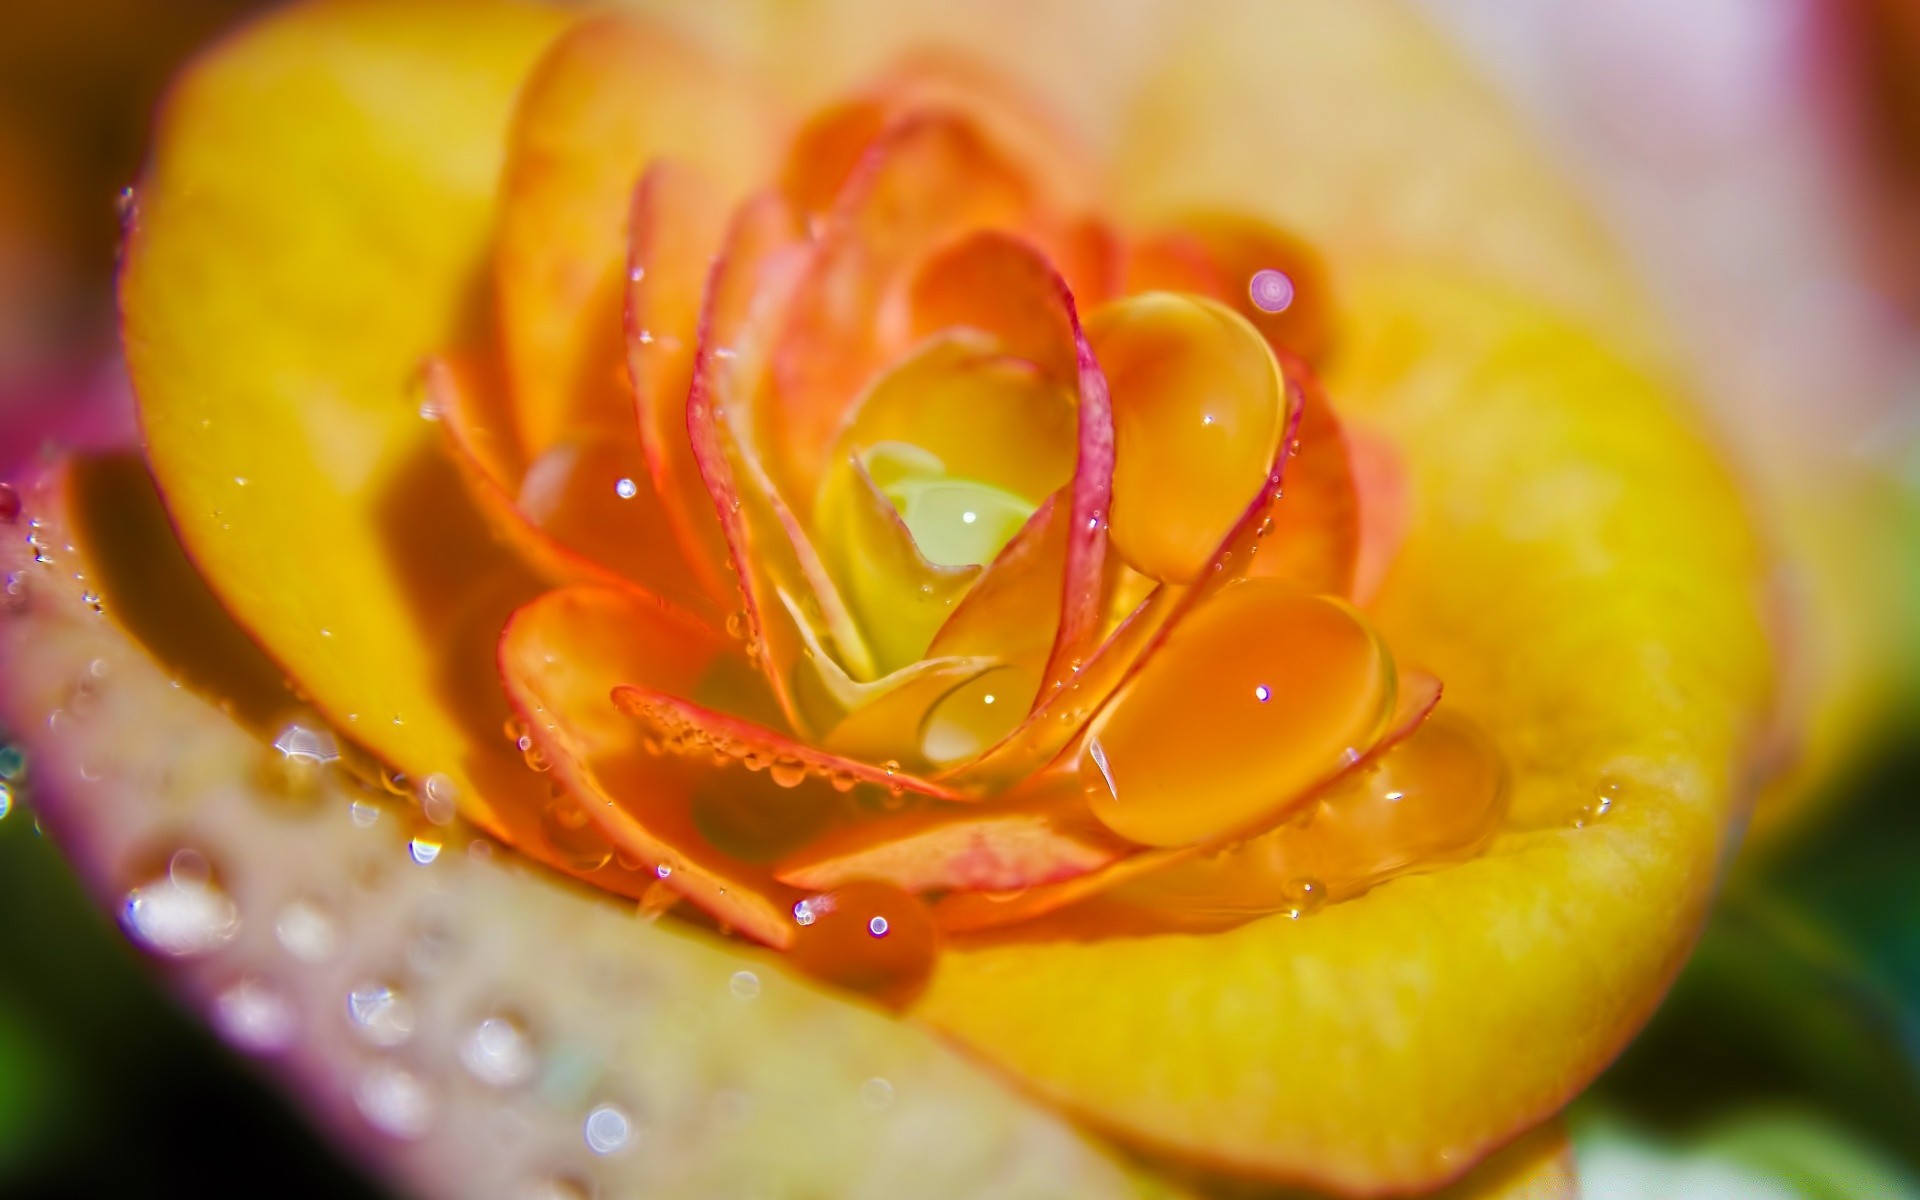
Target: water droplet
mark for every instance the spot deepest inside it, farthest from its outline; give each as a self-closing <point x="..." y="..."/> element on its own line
<point x="877" y="926"/>
<point x="302" y="743"/>
<point x="13" y="762"/>
<point x="663" y="871"/>
<point x="803" y="913"/>
<point x="788" y="772"/>
<point x="1303" y="897"/>
<point x="363" y="814"/>
<point x="744" y="985"/>
<point x="572" y="834"/>
<point x="1271" y="291"/>
<point x="876" y="1093"/>
<point x="607" y="1129"/>
<point x="625" y="488"/>
<point x="1606" y="794"/>
<point x="394" y="1101"/>
<point x="181" y="913"/>
<point x="92" y="601"/>
<point x="126" y="203"/>
<point x="439" y="798"/>
<point x="499" y="1053"/>
<point x="636" y="274"/>
<point x="423" y="850"/>
<point x="1262" y="693"/>
<point x="738" y="626"/>
<point x="381" y="1014"/>
<point x="6" y="799"/>
<point x="657" y="900"/>
<point x="254" y="1016"/>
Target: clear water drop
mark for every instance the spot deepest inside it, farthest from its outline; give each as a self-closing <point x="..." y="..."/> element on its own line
<point x="182" y="913"/>
<point x="380" y="1013"/>
<point x="13" y="762"/>
<point x="256" y="1017"/>
<point x="626" y="489"/>
<point x="573" y="836"/>
<point x="876" y="1093"/>
<point x="439" y="798"/>
<point x="394" y="1101"/>
<point x="423" y="850"/>
<point x="744" y="985"/>
<point x="877" y="926"/>
<point x="499" y="1053"/>
<point x="607" y="1129"/>
<point x="306" y="931"/>
<point x="6" y="799"/>
<point x="803" y="914"/>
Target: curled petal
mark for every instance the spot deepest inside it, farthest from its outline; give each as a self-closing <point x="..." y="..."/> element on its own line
<point x="612" y="95"/>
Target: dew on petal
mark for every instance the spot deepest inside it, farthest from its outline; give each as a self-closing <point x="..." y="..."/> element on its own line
<point x="254" y="1016"/>
<point x="1271" y="291"/>
<point x="181" y="913"/>
<point x="499" y="1053"/>
<point x="1189" y="751"/>
<point x="423" y="850"/>
<point x="744" y="985"/>
<point x="380" y="1013"/>
<point x="13" y="762"/>
<point x="305" y="743"/>
<point x="572" y="834"/>
<point x="307" y="931"/>
<point x="394" y="1101"/>
<point x="439" y="798"/>
<point x="607" y="1130"/>
<point x="867" y="937"/>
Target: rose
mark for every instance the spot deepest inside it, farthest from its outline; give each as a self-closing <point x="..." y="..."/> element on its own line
<point x="1528" y="466"/>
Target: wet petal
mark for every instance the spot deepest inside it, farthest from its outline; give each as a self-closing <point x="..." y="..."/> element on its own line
<point x="279" y="294"/>
<point x="1198" y="410"/>
<point x="1003" y="847"/>
<point x="611" y="96"/>
<point x="584" y="512"/>
<point x="561" y="657"/>
<point x="1273" y="279"/>
<point x="676" y="226"/>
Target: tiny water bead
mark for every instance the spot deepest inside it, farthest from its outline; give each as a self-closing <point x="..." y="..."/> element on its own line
<point x="1271" y="291"/>
<point x="254" y="1016"/>
<point x="181" y="913"/>
<point x="1260" y="694"/>
<point x="607" y="1130"/>
<point x="1606" y="794"/>
<point x="868" y="937"/>
<point x="439" y="798"/>
<point x="307" y="931"/>
<point x="744" y="985"/>
<point x="13" y="761"/>
<point x="625" y="488"/>
<point x="380" y="1013"/>
<point x="394" y="1101"/>
<point x="423" y="850"/>
<point x="572" y="834"/>
<point x="499" y="1053"/>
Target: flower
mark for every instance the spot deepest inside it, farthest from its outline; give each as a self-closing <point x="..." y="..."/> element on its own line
<point x="889" y="392"/>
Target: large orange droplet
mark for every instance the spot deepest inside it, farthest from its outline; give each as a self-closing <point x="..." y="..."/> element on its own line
<point x="868" y="937"/>
<point x="1258" y="696"/>
<point x="1433" y="799"/>
<point x="1198" y="410"/>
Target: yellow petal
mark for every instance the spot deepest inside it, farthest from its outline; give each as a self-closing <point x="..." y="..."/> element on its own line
<point x="1581" y="573"/>
<point x="611" y="96"/>
<point x="318" y="207"/>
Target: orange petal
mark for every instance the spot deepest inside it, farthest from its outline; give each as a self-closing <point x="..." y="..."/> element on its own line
<point x="929" y="177"/>
<point x="1199" y="407"/>
<point x="1380" y="487"/>
<point x="1229" y="257"/>
<point x="561" y="657"/>
<point x="1315" y="539"/>
<point x="584" y="512"/>
<point x="610" y="97"/>
<point x="1018" y="844"/>
<point x="686" y="728"/>
<point x="676" y="226"/>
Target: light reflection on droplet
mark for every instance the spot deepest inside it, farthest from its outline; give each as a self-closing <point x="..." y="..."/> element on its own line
<point x="423" y="850"/>
<point x="6" y="799"/>
<point x="394" y="1101"/>
<point x="254" y="1016"/>
<point x="362" y="814"/>
<point x="181" y="913"/>
<point x="1262" y="693"/>
<point x="1271" y="291"/>
<point x="607" y="1129"/>
<point x="498" y="1053"/>
<point x="303" y="743"/>
<point x="305" y="931"/>
<point x="439" y="798"/>
<point x="626" y="489"/>
<point x="803" y="913"/>
<point x="744" y="985"/>
<point x="877" y="926"/>
<point x="876" y="1093"/>
<point x="380" y="1013"/>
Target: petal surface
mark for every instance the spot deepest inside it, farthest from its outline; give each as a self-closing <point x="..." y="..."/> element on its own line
<point x="280" y="294"/>
<point x="1561" y="507"/>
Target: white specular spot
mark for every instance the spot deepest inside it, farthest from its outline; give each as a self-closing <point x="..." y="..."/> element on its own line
<point x="394" y="1102"/>
<point x="253" y="1016"/>
<point x="607" y="1129"/>
<point x="380" y="1013"/>
<point x="626" y="489"/>
<point x="182" y="913"/>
